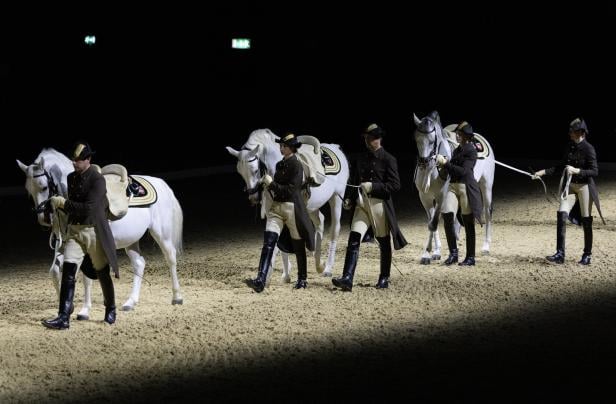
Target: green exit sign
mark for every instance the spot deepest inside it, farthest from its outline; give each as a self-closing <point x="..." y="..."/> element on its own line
<point x="240" y="43"/>
<point x="89" y="40"/>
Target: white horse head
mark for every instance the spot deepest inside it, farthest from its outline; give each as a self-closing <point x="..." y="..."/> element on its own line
<point x="430" y="142"/>
<point x="257" y="157"/>
<point x="45" y="178"/>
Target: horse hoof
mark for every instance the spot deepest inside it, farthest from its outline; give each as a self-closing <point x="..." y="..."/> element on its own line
<point x="127" y="308"/>
<point x="320" y="269"/>
<point x="436" y="257"/>
<point x="425" y="261"/>
<point x="286" y="279"/>
<point x="82" y="317"/>
<point x="177" y="301"/>
<point x="327" y="274"/>
<point x="485" y="252"/>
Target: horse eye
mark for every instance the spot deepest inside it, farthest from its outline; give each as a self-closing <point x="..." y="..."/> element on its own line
<point x="255" y="172"/>
<point x="44" y="189"/>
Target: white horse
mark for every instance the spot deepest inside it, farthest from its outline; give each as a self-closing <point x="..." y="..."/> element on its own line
<point x="432" y="139"/>
<point x="260" y="154"/>
<point x="163" y="219"/>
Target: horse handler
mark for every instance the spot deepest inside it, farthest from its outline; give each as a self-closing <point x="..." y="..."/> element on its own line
<point x="463" y="190"/>
<point x="88" y="233"/>
<point x="377" y="173"/>
<point x="580" y="166"/>
<point x="288" y="209"/>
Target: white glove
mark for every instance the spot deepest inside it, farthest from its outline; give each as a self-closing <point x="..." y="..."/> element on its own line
<point x="572" y="170"/>
<point x="57" y="201"/>
<point x="267" y="180"/>
<point x="538" y="174"/>
<point x="346" y="204"/>
<point x="440" y="160"/>
<point x="367" y="187"/>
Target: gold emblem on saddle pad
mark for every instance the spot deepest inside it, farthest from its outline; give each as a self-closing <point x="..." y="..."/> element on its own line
<point x="150" y="193"/>
<point x="335" y="166"/>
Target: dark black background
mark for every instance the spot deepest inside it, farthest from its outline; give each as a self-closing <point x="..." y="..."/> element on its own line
<point x="517" y="72"/>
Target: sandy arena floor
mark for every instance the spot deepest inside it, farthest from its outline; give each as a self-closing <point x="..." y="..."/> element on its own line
<point x="513" y="327"/>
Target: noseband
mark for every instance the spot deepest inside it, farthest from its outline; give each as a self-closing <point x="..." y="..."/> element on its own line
<point x="422" y="162"/>
<point x="43" y="207"/>
<point x="262" y="172"/>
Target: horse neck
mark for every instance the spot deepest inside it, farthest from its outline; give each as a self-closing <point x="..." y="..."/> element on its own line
<point x="444" y="148"/>
<point x="270" y="156"/>
<point x="52" y="157"/>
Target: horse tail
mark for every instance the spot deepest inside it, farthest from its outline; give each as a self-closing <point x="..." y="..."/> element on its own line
<point x="178" y="223"/>
<point x="177" y="220"/>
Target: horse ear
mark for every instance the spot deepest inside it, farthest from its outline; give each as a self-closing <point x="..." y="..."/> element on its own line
<point x="21" y="165"/>
<point x="417" y="120"/>
<point x="233" y="152"/>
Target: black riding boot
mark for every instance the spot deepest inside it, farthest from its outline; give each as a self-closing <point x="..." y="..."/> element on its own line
<point x="299" y="247"/>
<point x="67" y="292"/>
<point x="587" y="226"/>
<point x="108" y="294"/>
<point x="385" y="247"/>
<point x="269" y="242"/>
<point x="450" y="233"/>
<point x="350" y="262"/>
<point x="469" y="229"/>
<point x="561" y="223"/>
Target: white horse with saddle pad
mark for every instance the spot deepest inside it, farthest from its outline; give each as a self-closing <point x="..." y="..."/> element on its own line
<point x="259" y="156"/>
<point x="432" y="139"/>
<point x="154" y="208"/>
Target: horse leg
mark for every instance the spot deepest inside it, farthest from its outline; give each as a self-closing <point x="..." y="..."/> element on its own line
<point x="286" y="267"/>
<point x="166" y="245"/>
<point x="436" y="248"/>
<point x="138" y="263"/>
<point x="84" y="313"/>
<point x="335" y="206"/>
<point x="318" y="219"/>
<point x="427" y="203"/>
<point x="436" y="251"/>
<point x="486" y="190"/>
<point x="54" y="271"/>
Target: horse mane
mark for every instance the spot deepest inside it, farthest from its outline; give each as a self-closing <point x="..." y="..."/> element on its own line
<point x="51" y="156"/>
<point x="444" y="138"/>
<point x="259" y="137"/>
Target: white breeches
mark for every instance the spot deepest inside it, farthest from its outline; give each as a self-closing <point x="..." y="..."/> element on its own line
<point x="456" y="194"/>
<point x="279" y="215"/>
<point x="362" y="219"/>
<point x="81" y="241"/>
<point x="579" y="192"/>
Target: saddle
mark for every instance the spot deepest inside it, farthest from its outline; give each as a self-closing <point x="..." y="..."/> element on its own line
<point x="116" y="178"/>
<point x="310" y="157"/>
<point x="318" y="161"/>
<point x="124" y="191"/>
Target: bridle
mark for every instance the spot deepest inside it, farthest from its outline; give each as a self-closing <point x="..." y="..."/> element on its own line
<point x="422" y="162"/>
<point x="262" y="171"/>
<point x="55" y="240"/>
